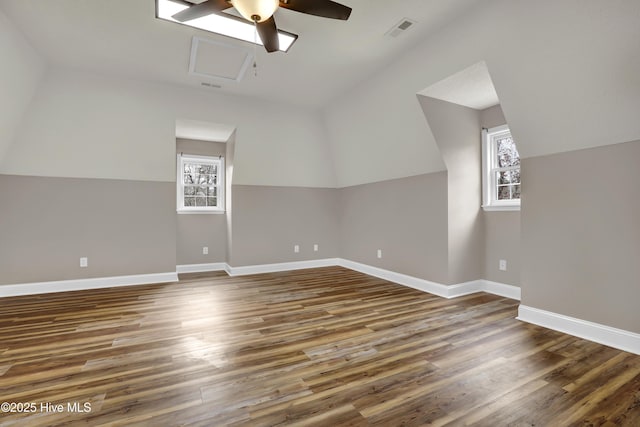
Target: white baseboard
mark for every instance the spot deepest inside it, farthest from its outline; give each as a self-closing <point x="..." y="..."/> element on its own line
<point x="446" y="291"/>
<point x="602" y="334"/>
<point x="466" y="288"/>
<point x="402" y="279"/>
<point x="84" y="284"/>
<point x="201" y="268"/>
<point x="501" y="289"/>
<point x="284" y="266"/>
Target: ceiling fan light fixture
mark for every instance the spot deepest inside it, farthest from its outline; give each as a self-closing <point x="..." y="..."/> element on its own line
<point x="256" y="10"/>
<point x="222" y="23"/>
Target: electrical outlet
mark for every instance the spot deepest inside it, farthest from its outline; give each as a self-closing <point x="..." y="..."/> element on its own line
<point x="296" y="248"/>
<point x="205" y="250"/>
<point x="315" y="248"/>
<point x="84" y="262"/>
<point x="379" y="253"/>
<point x="503" y="265"/>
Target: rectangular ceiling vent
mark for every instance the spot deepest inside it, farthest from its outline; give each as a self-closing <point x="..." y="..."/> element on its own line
<point x="399" y="28"/>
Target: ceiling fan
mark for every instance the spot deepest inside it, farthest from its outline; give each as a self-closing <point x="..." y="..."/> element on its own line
<point x="261" y="13"/>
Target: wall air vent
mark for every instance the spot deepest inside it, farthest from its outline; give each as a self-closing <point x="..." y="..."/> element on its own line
<point x="400" y="27"/>
<point x="211" y="85"/>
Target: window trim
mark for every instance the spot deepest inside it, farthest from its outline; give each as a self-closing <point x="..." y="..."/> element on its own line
<point x="489" y="196"/>
<point x="180" y="208"/>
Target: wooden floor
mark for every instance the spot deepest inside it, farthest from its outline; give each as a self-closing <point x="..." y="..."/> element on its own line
<point x="321" y="347"/>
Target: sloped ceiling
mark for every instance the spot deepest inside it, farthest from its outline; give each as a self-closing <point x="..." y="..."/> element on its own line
<point x="122" y="37"/>
<point x="567" y="72"/>
<point x="567" y="75"/>
<point x="471" y="87"/>
<point x="20" y="74"/>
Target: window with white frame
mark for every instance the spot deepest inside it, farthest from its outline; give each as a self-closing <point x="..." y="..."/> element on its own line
<point x="501" y="170"/>
<point x="200" y="184"/>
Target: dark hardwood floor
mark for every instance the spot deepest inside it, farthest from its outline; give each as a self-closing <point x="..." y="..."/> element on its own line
<point x="320" y="347"/>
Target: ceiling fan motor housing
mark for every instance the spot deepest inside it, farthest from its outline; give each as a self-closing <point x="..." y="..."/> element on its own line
<point x="256" y="10"/>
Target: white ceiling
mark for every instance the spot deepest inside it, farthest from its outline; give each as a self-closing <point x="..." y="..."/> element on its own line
<point x="123" y="37"/>
<point x="203" y="131"/>
<point x="471" y="87"/>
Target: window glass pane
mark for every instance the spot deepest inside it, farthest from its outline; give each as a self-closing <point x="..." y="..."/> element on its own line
<point x="212" y="191"/>
<point x="508" y="192"/>
<point x="200" y="201"/>
<point x="212" y="201"/>
<point x="508" y="177"/>
<point x="189" y="201"/>
<point x="504" y="192"/>
<point x="516" y="192"/>
<point x="188" y="178"/>
<point x="506" y="152"/>
<point x="206" y="169"/>
<point x="189" y="191"/>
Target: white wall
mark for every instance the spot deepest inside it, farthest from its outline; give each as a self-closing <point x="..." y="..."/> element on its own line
<point x="92" y="126"/>
<point x="21" y="71"/>
<point x="566" y="73"/>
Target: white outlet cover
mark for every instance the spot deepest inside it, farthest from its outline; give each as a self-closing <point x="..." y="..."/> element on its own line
<point x="315" y="248"/>
<point x="503" y="265"/>
<point x="379" y="253"/>
<point x="205" y="250"/>
<point x="296" y="248"/>
<point x="84" y="262"/>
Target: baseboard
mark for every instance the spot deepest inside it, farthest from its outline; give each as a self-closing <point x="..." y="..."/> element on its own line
<point x="602" y="334"/>
<point x="283" y="266"/>
<point x="466" y="288"/>
<point x="445" y="291"/>
<point x="84" y="284"/>
<point x="201" y="268"/>
<point x="392" y="276"/>
<point x="501" y="289"/>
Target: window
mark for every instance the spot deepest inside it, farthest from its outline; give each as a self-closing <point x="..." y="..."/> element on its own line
<point x="500" y="169"/>
<point x="200" y="183"/>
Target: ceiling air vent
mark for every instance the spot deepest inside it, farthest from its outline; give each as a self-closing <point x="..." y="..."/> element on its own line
<point x="400" y="27"/>
<point x="211" y="85"/>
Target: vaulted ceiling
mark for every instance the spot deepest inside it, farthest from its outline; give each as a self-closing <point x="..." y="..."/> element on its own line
<point x="123" y="37"/>
<point x="338" y="109"/>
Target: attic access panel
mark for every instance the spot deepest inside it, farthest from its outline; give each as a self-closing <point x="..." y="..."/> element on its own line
<point x="218" y="61"/>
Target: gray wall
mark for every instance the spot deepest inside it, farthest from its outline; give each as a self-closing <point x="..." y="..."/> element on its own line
<point x="502" y="241"/>
<point x="228" y="195"/>
<point x="581" y="234"/>
<point x="406" y="218"/>
<point x="269" y="221"/>
<point x="501" y="228"/>
<point x="456" y="130"/>
<point x="194" y="231"/>
<point x="47" y="224"/>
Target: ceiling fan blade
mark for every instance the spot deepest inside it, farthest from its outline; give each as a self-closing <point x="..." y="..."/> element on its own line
<point x="324" y="8"/>
<point x="268" y="33"/>
<point x="202" y="9"/>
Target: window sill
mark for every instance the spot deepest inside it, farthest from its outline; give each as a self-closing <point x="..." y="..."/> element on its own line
<point x="179" y="212"/>
<point x="493" y="208"/>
